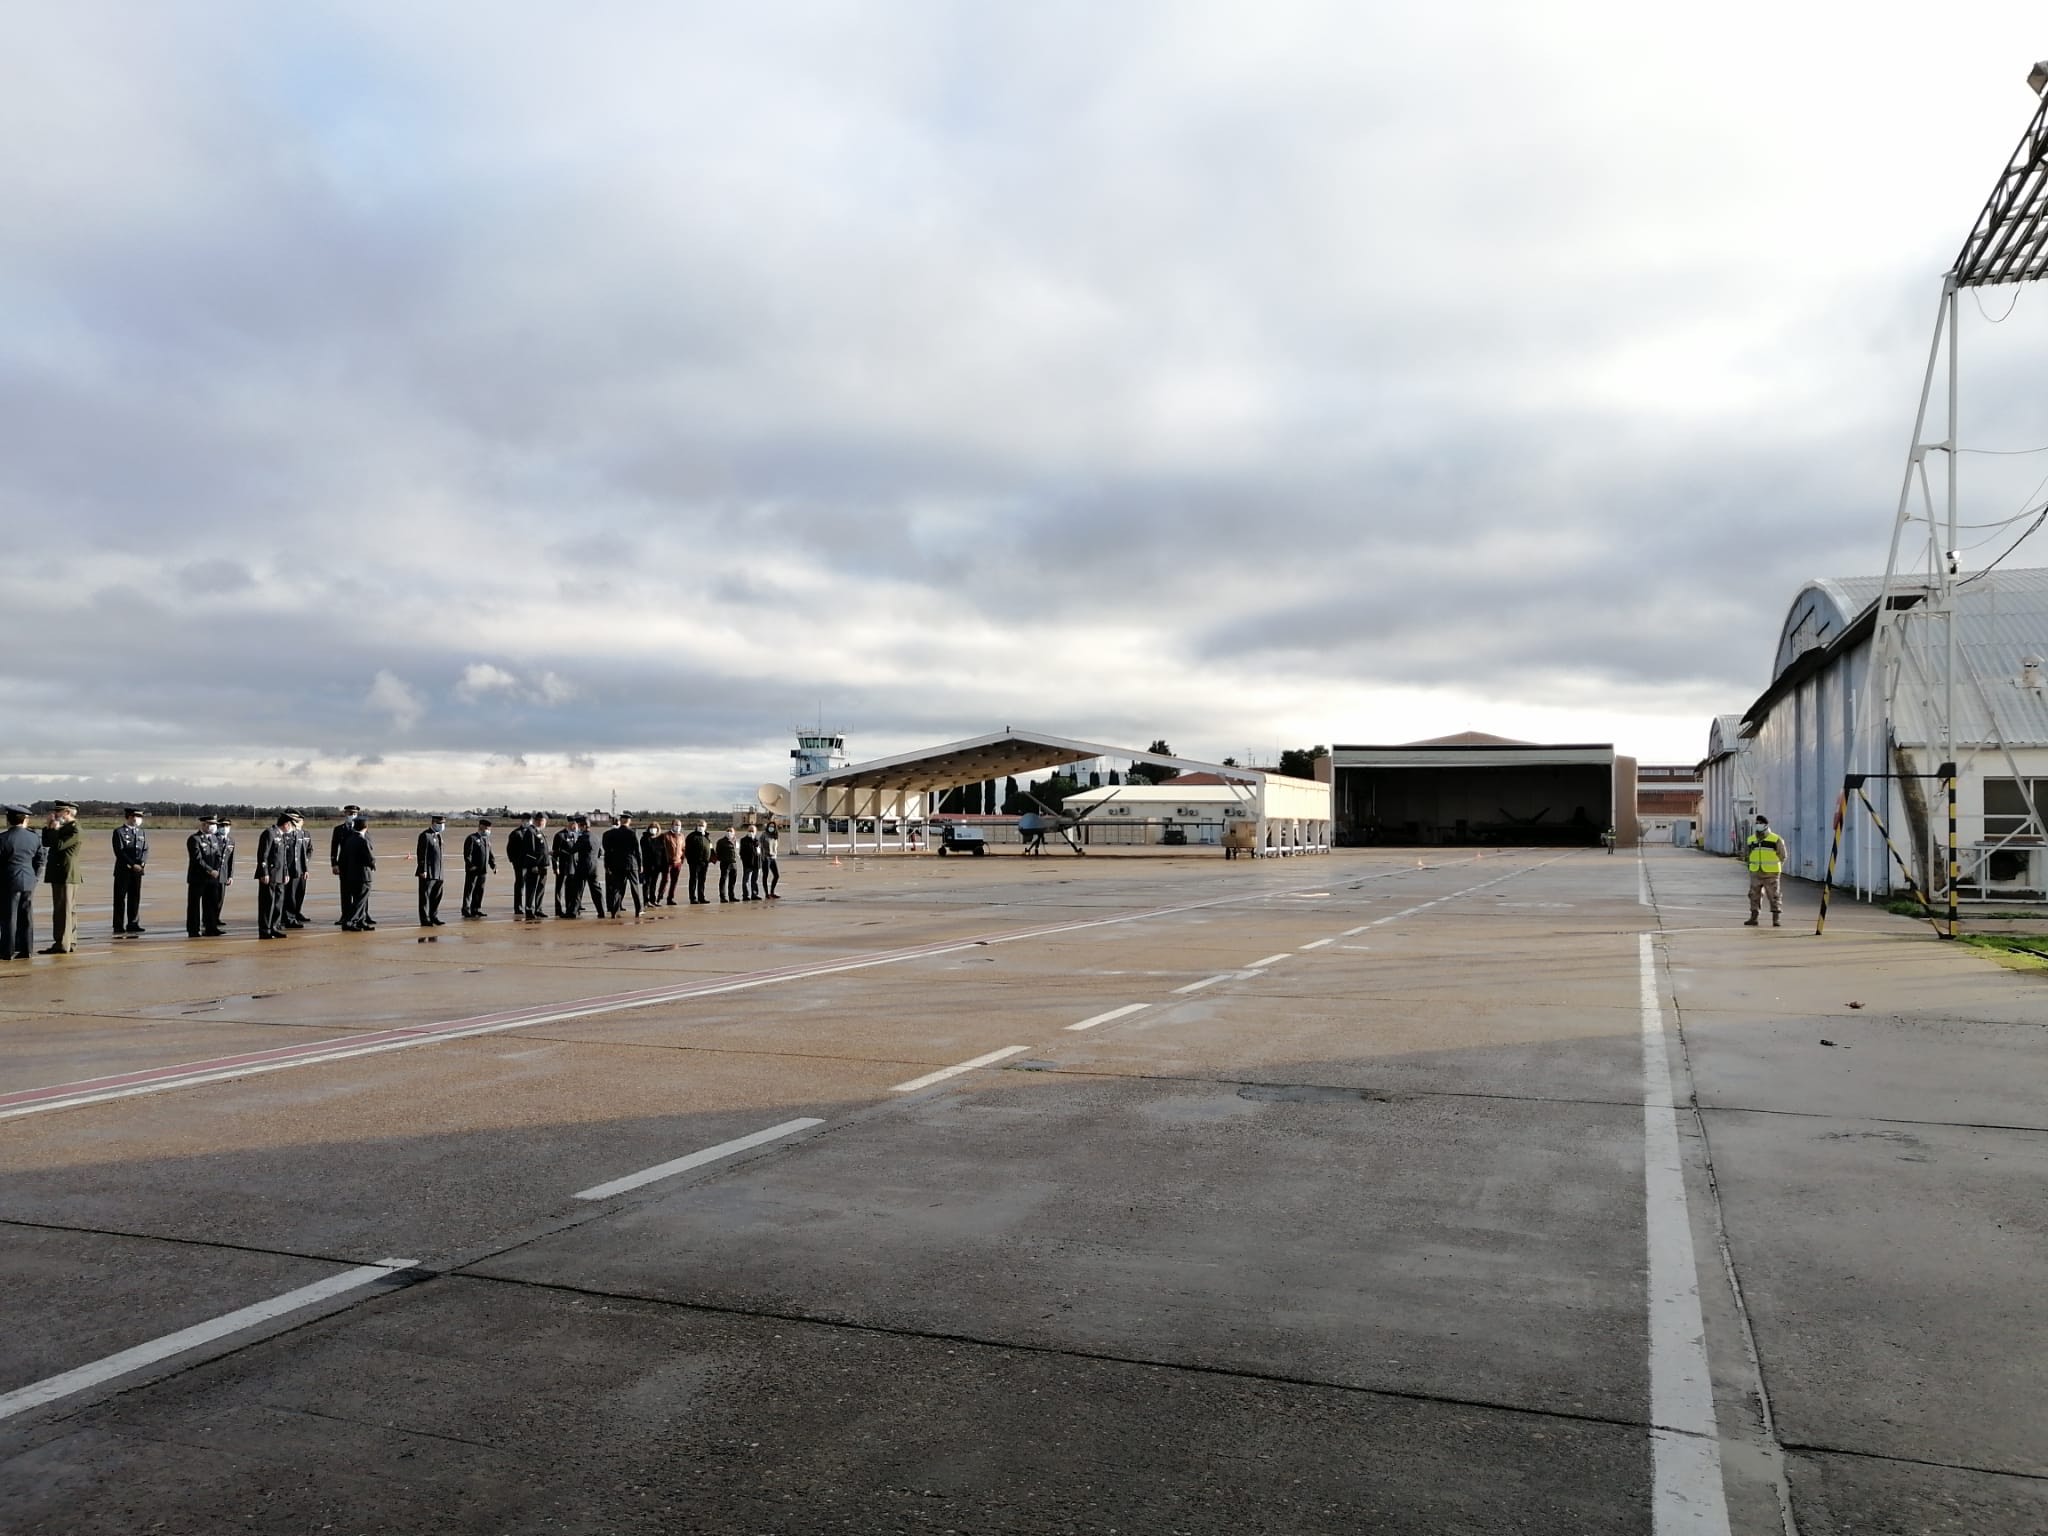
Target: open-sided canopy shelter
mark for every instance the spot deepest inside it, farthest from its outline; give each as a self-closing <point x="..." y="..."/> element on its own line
<point x="1293" y="814"/>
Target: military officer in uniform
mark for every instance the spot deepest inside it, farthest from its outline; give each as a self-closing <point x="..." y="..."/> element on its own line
<point x="427" y="869"/>
<point x="357" y="864"/>
<point x="274" y="876"/>
<point x="562" y="850"/>
<point x="131" y="853"/>
<point x="63" y="868"/>
<point x="621" y="867"/>
<point x="21" y="868"/>
<point x="203" y="880"/>
<point x="302" y="865"/>
<point x="478" y="862"/>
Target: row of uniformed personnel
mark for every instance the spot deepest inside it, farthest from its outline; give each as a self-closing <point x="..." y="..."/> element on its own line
<point x="646" y="865"/>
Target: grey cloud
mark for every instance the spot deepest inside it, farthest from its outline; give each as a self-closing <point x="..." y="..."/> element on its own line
<point x="1249" y="344"/>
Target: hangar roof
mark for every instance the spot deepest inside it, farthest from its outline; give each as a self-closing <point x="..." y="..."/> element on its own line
<point x="2001" y="618"/>
<point x="1001" y="754"/>
<point x="1452" y="753"/>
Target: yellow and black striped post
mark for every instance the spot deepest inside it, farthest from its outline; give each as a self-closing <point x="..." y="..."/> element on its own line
<point x="1948" y="772"/>
<point x="1827" y="886"/>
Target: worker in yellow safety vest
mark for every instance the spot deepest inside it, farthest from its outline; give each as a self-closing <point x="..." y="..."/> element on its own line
<point x="1766" y="851"/>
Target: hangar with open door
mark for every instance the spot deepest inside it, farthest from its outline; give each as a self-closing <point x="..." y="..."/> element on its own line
<point x="1473" y="789"/>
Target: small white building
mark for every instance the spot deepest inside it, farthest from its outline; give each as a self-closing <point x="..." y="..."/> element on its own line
<point x="1198" y="806"/>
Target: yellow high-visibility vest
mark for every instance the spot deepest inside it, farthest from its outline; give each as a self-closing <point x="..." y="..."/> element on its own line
<point x="1766" y="853"/>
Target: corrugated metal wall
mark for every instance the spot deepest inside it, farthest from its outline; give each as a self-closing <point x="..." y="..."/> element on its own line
<point x="1797" y="761"/>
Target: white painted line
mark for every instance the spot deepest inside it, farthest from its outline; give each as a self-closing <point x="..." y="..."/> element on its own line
<point x="695" y="1160"/>
<point x="1685" y="1441"/>
<point x="1318" y="944"/>
<point x="1357" y="949"/>
<point x="1206" y="981"/>
<point x="1115" y="1013"/>
<point x="1352" y="933"/>
<point x="1259" y="965"/>
<point x="100" y="1091"/>
<point x="966" y="1066"/>
<point x="51" y="1388"/>
<point x="1642" y="881"/>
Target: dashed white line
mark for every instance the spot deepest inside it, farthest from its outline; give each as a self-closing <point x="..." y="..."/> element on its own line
<point x="128" y="1361"/>
<point x="1685" y="1441"/>
<point x="966" y="1066"/>
<point x="695" y="1159"/>
<point x="1352" y="933"/>
<point x="1259" y="965"/>
<point x="1318" y="944"/>
<point x="1115" y="1013"/>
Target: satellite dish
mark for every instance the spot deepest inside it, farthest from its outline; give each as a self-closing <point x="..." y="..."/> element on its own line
<point x="774" y="799"/>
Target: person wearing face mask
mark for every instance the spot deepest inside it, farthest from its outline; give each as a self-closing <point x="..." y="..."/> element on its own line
<point x="427" y="867"/>
<point x="21" y="869"/>
<point x="131" y="853"/>
<point x="63" y="868"/>
<point x="203" y="880"/>
<point x="357" y="862"/>
<point x="302" y="864"/>
<point x="478" y="864"/>
<point x="273" y="876"/>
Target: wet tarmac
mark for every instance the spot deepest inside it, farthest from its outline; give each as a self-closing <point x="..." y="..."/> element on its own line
<point x="1527" y="1192"/>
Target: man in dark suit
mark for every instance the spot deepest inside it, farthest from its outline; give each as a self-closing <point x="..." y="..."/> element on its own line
<point x="726" y="852"/>
<point x="771" y="866"/>
<point x="64" y="869"/>
<point x="621" y="867"/>
<point x="697" y="859"/>
<point x="528" y="851"/>
<point x="357" y="863"/>
<point x="563" y="853"/>
<point x="21" y="868"/>
<point x="583" y="865"/>
<point x="427" y="869"/>
<point x="651" y="862"/>
<point x="203" y="881"/>
<point x="131" y="853"/>
<point x="478" y="863"/>
<point x="273" y="877"/>
<point x="750" y="865"/>
<point x="335" y="839"/>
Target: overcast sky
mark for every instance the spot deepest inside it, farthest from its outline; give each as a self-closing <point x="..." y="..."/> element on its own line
<point x="448" y="403"/>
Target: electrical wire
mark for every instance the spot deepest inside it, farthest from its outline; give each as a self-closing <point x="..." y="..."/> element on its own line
<point x="2006" y="453"/>
<point x="2032" y="529"/>
<point x="1978" y="295"/>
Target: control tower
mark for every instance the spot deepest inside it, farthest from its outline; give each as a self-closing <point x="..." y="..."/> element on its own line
<point x="816" y="752"/>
